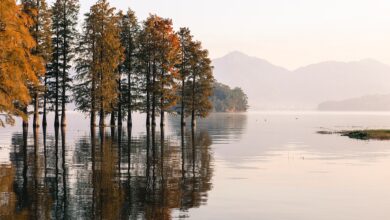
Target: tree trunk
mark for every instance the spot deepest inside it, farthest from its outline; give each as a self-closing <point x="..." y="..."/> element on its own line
<point x="148" y="96"/>
<point x="129" y="119"/>
<point x="44" y="120"/>
<point x="120" y="101"/>
<point x="56" y="116"/>
<point x="64" y="75"/>
<point x="63" y="103"/>
<point x="154" y="96"/>
<point x="57" y="73"/>
<point x="93" y="102"/>
<point x="36" y="110"/>
<point x="162" y="117"/>
<point x="193" y="122"/>
<point x="162" y="104"/>
<point x="25" y="121"/>
<point x="101" y="117"/>
<point x="182" y="102"/>
<point x="112" y="120"/>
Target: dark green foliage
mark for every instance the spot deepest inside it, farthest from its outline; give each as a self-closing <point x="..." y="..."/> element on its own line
<point x="226" y="99"/>
<point x="129" y="75"/>
<point x="64" y="22"/>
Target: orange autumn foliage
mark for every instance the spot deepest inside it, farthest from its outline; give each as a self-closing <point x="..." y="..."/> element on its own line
<point x="19" y="69"/>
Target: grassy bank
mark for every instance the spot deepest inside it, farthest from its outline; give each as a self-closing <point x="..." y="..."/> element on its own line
<point x="376" y="134"/>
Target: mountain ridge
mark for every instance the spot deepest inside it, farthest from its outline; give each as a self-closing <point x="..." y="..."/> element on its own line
<point x="272" y="87"/>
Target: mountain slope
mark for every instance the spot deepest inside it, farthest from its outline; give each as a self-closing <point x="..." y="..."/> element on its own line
<point x="272" y="87"/>
<point x="365" y="103"/>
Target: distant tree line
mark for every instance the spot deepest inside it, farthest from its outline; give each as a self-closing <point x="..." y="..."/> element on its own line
<point x="225" y="99"/>
<point x="121" y="65"/>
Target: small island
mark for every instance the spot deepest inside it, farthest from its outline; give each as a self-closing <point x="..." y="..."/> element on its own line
<point x="370" y="134"/>
<point x="226" y="99"/>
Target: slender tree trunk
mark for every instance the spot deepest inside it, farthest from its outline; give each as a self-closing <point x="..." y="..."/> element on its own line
<point x="36" y="95"/>
<point x="101" y="111"/>
<point x="182" y="102"/>
<point x="25" y="121"/>
<point x="154" y="95"/>
<point x="101" y="116"/>
<point x="112" y="119"/>
<point x="57" y="73"/>
<point x="93" y="105"/>
<point x="162" y="102"/>
<point x="36" y="110"/>
<point x="63" y="99"/>
<point x="129" y="101"/>
<point x="120" y="99"/>
<point x="93" y="90"/>
<point x="148" y="96"/>
<point x="44" y="120"/>
<point x="64" y="75"/>
<point x="193" y="121"/>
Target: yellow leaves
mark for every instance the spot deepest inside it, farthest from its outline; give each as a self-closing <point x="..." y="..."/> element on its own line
<point x="18" y="67"/>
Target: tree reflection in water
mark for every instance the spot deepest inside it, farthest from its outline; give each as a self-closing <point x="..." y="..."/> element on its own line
<point x="109" y="174"/>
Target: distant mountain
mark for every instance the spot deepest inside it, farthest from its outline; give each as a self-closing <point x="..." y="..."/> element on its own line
<point x="365" y="103"/>
<point x="273" y="87"/>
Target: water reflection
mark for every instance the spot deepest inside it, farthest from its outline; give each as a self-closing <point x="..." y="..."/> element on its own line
<point x="107" y="174"/>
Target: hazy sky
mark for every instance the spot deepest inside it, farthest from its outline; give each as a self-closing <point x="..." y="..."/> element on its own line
<point x="290" y="33"/>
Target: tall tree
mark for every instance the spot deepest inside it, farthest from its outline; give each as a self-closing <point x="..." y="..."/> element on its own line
<point x="199" y="84"/>
<point x="19" y="68"/>
<point x="41" y="31"/>
<point x="101" y="53"/>
<point x="45" y="49"/>
<point x="64" y="18"/>
<point x="169" y="57"/>
<point x="184" y="67"/>
<point x="160" y="51"/>
<point x="128" y="89"/>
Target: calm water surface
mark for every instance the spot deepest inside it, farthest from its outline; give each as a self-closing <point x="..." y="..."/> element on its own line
<point x="269" y="165"/>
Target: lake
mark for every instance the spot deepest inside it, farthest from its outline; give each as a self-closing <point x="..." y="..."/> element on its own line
<point x="258" y="165"/>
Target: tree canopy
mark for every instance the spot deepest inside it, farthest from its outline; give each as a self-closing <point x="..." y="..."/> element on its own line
<point x="226" y="99"/>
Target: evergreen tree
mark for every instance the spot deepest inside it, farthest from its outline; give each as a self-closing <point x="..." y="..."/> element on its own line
<point x="19" y="68"/>
<point x="184" y="67"/>
<point x="199" y="84"/>
<point x="129" y="88"/>
<point x="64" y="18"/>
<point x="100" y="55"/>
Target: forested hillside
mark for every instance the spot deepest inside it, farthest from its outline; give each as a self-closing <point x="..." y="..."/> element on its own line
<point x="225" y="99"/>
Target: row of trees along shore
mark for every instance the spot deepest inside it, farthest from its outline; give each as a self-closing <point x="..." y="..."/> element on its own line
<point x="114" y="66"/>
